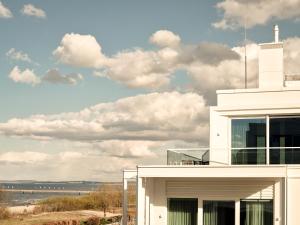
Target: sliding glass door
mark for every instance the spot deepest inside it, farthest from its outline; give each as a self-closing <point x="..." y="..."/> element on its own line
<point x="256" y="212"/>
<point x="182" y="211"/>
<point x="218" y="212"/>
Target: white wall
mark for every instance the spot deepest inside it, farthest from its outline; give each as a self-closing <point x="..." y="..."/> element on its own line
<point x="285" y="97"/>
<point x="271" y="65"/>
<point x="219" y="138"/>
<point x="160" y="202"/>
<point x="207" y="189"/>
<point x="293" y="195"/>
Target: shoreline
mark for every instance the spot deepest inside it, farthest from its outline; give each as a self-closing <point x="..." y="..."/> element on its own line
<point x="46" y="191"/>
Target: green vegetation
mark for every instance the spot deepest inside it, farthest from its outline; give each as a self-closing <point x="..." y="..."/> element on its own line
<point x="64" y="210"/>
<point x="107" y="198"/>
<point x="4" y="213"/>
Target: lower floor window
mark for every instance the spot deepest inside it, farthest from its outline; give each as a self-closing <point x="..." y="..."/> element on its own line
<point x="218" y="212"/>
<point x="256" y="212"/>
<point x="182" y="211"/>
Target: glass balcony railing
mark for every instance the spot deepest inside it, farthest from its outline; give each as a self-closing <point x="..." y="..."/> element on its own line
<point x="239" y="156"/>
<point x="248" y="156"/>
<point x="199" y="156"/>
<point x="285" y="155"/>
<point x="256" y="156"/>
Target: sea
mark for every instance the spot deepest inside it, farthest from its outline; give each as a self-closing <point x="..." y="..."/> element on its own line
<point x="17" y="193"/>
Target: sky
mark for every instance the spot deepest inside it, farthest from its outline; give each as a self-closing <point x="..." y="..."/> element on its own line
<point x="88" y="88"/>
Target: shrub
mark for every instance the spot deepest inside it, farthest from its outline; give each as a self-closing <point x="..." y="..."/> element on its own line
<point x="4" y="213"/>
<point x="107" y="198"/>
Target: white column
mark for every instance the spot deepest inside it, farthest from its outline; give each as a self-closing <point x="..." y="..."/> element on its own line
<point x="200" y="211"/>
<point x="277" y="203"/>
<point x="237" y="211"/>
<point x="140" y="202"/>
<point x="125" y="202"/>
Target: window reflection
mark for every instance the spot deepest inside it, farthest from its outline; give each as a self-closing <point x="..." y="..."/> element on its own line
<point x="248" y="141"/>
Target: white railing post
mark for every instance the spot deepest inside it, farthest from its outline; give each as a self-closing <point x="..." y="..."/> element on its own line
<point x="267" y="140"/>
<point x="125" y="201"/>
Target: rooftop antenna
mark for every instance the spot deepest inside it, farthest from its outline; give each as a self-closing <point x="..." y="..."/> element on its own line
<point x="245" y="46"/>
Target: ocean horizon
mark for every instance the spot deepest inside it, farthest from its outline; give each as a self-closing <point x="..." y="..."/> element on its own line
<point x="30" y="192"/>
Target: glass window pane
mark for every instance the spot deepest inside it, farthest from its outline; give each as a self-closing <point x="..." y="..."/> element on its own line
<point x="284" y="136"/>
<point x="256" y="212"/>
<point x="182" y="211"/>
<point x="218" y="212"/>
<point x="248" y="141"/>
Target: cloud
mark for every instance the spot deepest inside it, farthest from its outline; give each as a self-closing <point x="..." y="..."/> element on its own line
<point x="165" y="38"/>
<point x="139" y="68"/>
<point x="18" y="55"/>
<point x="210" y="66"/>
<point x="227" y="74"/>
<point x="31" y="10"/>
<point x="52" y="76"/>
<point x="237" y="13"/>
<point x="151" y="117"/>
<point x="80" y="50"/>
<point x="4" y="11"/>
<point x="27" y="157"/>
<point x="26" y="76"/>
<point x="291" y="55"/>
<point x="55" y="77"/>
<point x="62" y="166"/>
<point x="126" y="149"/>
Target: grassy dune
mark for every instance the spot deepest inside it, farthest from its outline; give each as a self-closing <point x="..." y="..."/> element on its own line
<point x="104" y="203"/>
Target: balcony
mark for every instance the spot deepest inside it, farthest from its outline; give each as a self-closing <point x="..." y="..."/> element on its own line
<point x="239" y="156"/>
<point x="259" y="155"/>
<point x="198" y="156"/>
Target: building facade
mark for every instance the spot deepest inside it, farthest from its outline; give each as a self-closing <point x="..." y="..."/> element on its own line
<point x="250" y="174"/>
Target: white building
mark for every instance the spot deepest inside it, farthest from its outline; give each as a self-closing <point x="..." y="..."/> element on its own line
<point x="253" y="171"/>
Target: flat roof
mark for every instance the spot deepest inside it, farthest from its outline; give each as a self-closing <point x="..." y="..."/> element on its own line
<point x="233" y="171"/>
<point x="256" y="90"/>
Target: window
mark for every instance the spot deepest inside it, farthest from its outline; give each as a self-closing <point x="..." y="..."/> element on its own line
<point x="218" y="212"/>
<point x="182" y="211"/>
<point x="256" y="212"/>
<point x="285" y="140"/>
<point x="248" y="141"/>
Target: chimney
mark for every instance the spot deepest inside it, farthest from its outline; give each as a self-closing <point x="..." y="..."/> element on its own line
<point x="271" y="63"/>
<point x="276" y="34"/>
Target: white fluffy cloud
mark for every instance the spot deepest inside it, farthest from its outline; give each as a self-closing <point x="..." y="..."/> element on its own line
<point x="55" y="77"/>
<point x="292" y="56"/>
<point x="119" y="134"/>
<point x="18" y="55"/>
<point x="80" y="50"/>
<point x="237" y="13"/>
<point x="31" y="10"/>
<point x="137" y="67"/>
<point x="26" y="76"/>
<point x="151" y="117"/>
<point x="4" y="11"/>
<point x="30" y="165"/>
<point x="165" y="38"/>
<point x="228" y="74"/>
<point x="23" y="157"/>
<point x="126" y="149"/>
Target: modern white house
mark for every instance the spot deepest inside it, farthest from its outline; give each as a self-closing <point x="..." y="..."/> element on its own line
<point x="250" y="174"/>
